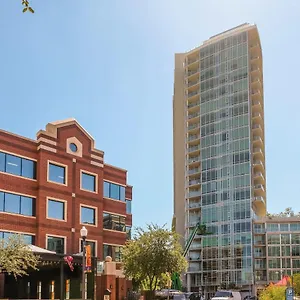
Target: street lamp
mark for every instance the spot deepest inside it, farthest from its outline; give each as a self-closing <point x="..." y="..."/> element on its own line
<point x="83" y="233"/>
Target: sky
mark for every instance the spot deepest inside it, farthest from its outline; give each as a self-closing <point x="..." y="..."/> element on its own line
<point x="109" y="64"/>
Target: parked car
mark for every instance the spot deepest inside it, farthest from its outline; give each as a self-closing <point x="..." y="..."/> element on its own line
<point x="227" y="295"/>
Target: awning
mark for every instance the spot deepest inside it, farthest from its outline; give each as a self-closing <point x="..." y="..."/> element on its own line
<point x="37" y="249"/>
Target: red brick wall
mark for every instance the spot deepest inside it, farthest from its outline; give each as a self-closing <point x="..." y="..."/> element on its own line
<point x="41" y="189"/>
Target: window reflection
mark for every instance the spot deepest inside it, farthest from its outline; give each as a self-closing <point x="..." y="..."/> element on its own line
<point x="113" y="191"/>
<point x="113" y="222"/>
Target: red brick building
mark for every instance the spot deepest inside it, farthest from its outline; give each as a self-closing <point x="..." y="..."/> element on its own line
<point x="52" y="186"/>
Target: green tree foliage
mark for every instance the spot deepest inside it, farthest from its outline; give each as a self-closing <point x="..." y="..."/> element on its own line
<point x="273" y="292"/>
<point x="27" y="7"/>
<point x="151" y="254"/>
<point x="296" y="283"/>
<point x="287" y="213"/>
<point x="15" y="257"/>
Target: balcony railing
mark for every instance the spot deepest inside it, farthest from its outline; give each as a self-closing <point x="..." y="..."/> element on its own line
<point x="195" y="193"/>
<point x="194" y="137"/>
<point x="194" y="159"/>
<point x="191" y="94"/>
<point x="193" y="126"/>
<point x="194" y="205"/>
<point x="191" y="61"/>
<point x="194" y="148"/>
<point x="259" y="199"/>
<point x="256" y="115"/>
<point x="258" y="151"/>
<point x="194" y="115"/>
<point x="257" y="138"/>
<point x="193" y="104"/>
<point x="259" y="187"/>
<point x="194" y="171"/>
<point x="258" y="175"/>
<point x="192" y="72"/>
<point x="256" y="126"/>
<point x="191" y="83"/>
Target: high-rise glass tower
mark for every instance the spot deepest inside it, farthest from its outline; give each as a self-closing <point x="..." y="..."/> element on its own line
<point x="219" y="155"/>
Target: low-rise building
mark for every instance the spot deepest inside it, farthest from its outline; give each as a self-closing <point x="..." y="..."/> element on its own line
<point x="276" y="249"/>
<point x="52" y="186"/>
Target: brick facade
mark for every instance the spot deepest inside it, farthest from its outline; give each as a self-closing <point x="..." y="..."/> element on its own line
<point x="52" y="146"/>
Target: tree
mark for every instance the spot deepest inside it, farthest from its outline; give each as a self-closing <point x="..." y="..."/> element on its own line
<point x="296" y="283"/>
<point x="287" y="213"/>
<point x="15" y="257"/>
<point x="273" y="292"/>
<point x="27" y="7"/>
<point x="152" y="253"/>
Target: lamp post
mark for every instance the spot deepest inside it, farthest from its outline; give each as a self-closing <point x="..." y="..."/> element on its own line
<point x="83" y="233"/>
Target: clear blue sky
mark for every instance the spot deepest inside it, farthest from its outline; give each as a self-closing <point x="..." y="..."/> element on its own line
<point x="109" y="64"/>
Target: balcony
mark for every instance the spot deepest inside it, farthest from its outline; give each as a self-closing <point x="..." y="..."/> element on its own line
<point x="259" y="200"/>
<point x="257" y="140"/>
<point x="193" y="115"/>
<point x="194" y="137"/>
<point x="257" y="129"/>
<point x="254" y="58"/>
<point x="193" y="93"/>
<point x="193" y="127"/>
<point x="259" y="188"/>
<point x="256" y="94"/>
<point x="194" y="205"/>
<point x="193" y="83"/>
<point x="255" y="70"/>
<point x="258" y="176"/>
<point x="194" y="171"/>
<point x="257" y="118"/>
<point x="258" y="164"/>
<point x="192" y="60"/>
<point x="192" y="72"/>
<point x="194" y="159"/>
<point x="256" y="106"/>
<point x="194" y="149"/>
<point x="258" y="153"/>
<point x="256" y="82"/>
<point x="193" y="104"/>
<point x="195" y="193"/>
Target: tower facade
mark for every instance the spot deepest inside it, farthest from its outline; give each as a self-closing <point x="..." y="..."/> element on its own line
<point x="219" y="155"/>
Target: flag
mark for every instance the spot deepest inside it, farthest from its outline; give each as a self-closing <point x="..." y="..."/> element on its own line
<point x="88" y="259"/>
<point x="69" y="261"/>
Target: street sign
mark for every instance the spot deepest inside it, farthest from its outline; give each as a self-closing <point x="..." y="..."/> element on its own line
<point x="289" y="293"/>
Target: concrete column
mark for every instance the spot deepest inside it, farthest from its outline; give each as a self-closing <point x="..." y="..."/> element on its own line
<point x="188" y="282"/>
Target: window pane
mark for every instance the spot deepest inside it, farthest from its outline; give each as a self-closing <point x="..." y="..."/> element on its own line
<point x="107" y="221"/>
<point x="56" y="173"/>
<point x="88" y="182"/>
<point x="56" y="209"/>
<point x="12" y="203"/>
<point x="27" y="206"/>
<point x="114" y="191"/>
<point x="87" y="215"/>
<point x="106" y="186"/>
<point x="1" y="201"/>
<point x="122" y="193"/>
<point x="128" y="206"/>
<point x="2" y="161"/>
<point x="55" y="244"/>
<point x="13" y="164"/>
<point x="28" y="168"/>
<point x="28" y="239"/>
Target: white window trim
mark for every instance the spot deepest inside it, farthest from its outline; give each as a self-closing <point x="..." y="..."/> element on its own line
<point x="58" y="236"/>
<point x="65" y="209"/>
<point x="89" y="240"/>
<point x="96" y="215"/>
<point x="96" y="181"/>
<point x="59" y="165"/>
<point x="21" y="156"/>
